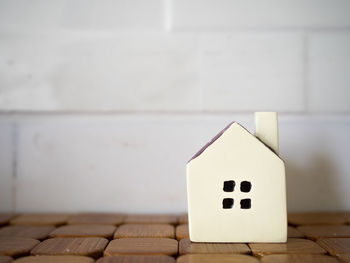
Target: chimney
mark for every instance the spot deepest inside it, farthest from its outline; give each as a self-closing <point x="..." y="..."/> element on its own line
<point x="266" y="129"/>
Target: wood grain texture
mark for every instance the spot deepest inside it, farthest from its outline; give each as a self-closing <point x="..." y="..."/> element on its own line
<point x="89" y="246"/>
<point x="105" y="231"/>
<point x="211" y="258"/>
<point x="145" y="230"/>
<point x="316" y="218"/>
<point x="5" y="259"/>
<point x="16" y="246"/>
<point x="188" y="247"/>
<point x="293" y="246"/>
<point x="182" y="232"/>
<point x="55" y="259"/>
<point x="293" y="258"/>
<point x="97" y="219"/>
<point x="147" y="244"/>
<point x="151" y="219"/>
<point x="183" y="219"/>
<point x="345" y="258"/>
<point x="5" y="219"/>
<point x="142" y="246"/>
<point x="35" y="232"/>
<point x="293" y="232"/>
<point x="40" y="219"/>
<point x="315" y="232"/>
<point x="335" y="246"/>
<point x="137" y="259"/>
<point x="347" y="217"/>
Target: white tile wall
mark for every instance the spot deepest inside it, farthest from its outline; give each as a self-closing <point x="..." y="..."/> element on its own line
<point x="88" y="72"/>
<point x="252" y="72"/>
<point x="43" y="16"/>
<point x="109" y="164"/>
<point x="153" y="72"/>
<point x="316" y="152"/>
<point x="148" y="82"/>
<point x="230" y="14"/>
<point x="329" y="72"/>
<point x="136" y="163"/>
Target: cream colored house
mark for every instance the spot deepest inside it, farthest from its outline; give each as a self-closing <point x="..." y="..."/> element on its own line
<point x="236" y="186"/>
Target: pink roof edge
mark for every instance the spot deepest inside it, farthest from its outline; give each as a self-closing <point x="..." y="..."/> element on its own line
<point x="217" y="136"/>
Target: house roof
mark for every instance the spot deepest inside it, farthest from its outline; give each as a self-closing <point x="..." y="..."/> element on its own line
<point x="217" y="136"/>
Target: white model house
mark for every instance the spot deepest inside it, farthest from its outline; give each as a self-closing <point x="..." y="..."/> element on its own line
<point x="236" y="186"/>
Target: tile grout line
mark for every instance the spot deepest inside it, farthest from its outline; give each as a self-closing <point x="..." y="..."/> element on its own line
<point x="164" y="112"/>
<point x="262" y="29"/>
<point x="167" y="18"/>
<point x="306" y="72"/>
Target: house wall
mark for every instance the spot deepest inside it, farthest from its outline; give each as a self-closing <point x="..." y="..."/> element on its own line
<point x="103" y="102"/>
<point x="239" y="157"/>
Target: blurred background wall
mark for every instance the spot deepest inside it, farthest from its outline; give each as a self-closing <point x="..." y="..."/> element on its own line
<point x="103" y="102"/>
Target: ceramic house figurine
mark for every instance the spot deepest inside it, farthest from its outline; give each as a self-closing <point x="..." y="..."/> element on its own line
<point x="236" y="186"/>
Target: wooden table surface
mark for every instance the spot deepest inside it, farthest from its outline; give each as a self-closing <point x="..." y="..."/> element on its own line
<point x="112" y="238"/>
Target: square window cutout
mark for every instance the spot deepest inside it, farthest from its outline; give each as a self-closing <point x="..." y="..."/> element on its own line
<point x="229" y="186"/>
<point x="227" y="203"/>
<point x="246" y="186"/>
<point x="246" y="203"/>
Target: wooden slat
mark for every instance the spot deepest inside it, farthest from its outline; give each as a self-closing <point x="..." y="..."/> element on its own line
<point x="5" y="259"/>
<point x="35" y="232"/>
<point x="89" y="246"/>
<point x="183" y="219"/>
<point x="347" y="217"/>
<point x="294" y="258"/>
<point x="345" y="258"/>
<point x="5" y="219"/>
<point x="142" y="246"/>
<point x="40" y="219"/>
<point x="16" y="246"/>
<point x="182" y="232"/>
<point x="145" y="230"/>
<point x="141" y="243"/>
<point x="137" y="259"/>
<point x="105" y="231"/>
<point x="55" y="259"/>
<point x="316" y="218"/>
<point x="335" y="246"/>
<point x="97" y="219"/>
<point x="211" y="258"/>
<point x="293" y="246"/>
<point x="316" y="232"/>
<point x="188" y="247"/>
<point x="151" y="219"/>
<point x="293" y="232"/>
